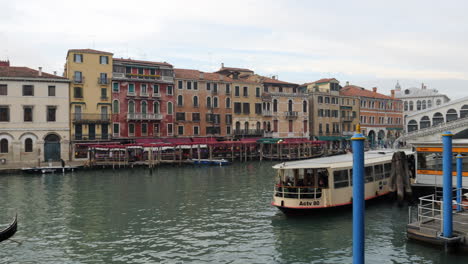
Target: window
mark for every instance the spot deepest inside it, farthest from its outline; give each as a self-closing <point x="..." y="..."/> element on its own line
<point x="144" y="89"/>
<point x="51" y="90"/>
<point x="144" y="129"/>
<point x="228" y="88"/>
<point x="208" y="86"/>
<point x="131" y="88"/>
<point x="28" y="145"/>
<point x="327" y="100"/>
<point x="246" y="108"/>
<point x="180" y="85"/>
<point x="78" y="92"/>
<point x="115" y="87"/>
<point x="4" y="145"/>
<point x="258" y="108"/>
<point x="169" y="129"/>
<point x="156" y="89"/>
<point x="257" y="92"/>
<point x="141" y="71"/>
<point x="28" y="114"/>
<point x="180" y="130"/>
<point x="195" y="85"/>
<point x="78" y="58"/>
<point x="195" y="101"/>
<point x="169" y="108"/>
<point x="169" y="90"/>
<point x="128" y="69"/>
<point x="215" y="88"/>
<point x="152" y="72"/>
<point x="156" y="109"/>
<point x="228" y="130"/>
<point x="104" y="59"/>
<point x="368" y="174"/>
<point x="215" y="102"/>
<point x="103" y="93"/>
<point x="228" y="102"/>
<point x="290" y="105"/>
<point x="246" y="91"/>
<point x="116" y="129"/>
<point x="196" y="117"/>
<point x="3" y="89"/>
<point x="180" y="100"/>
<point x="340" y="178"/>
<point x="290" y="126"/>
<point x="189" y="85"/>
<point x="51" y="111"/>
<point x="78" y="77"/>
<point x="275" y="105"/>
<point x="237" y="108"/>
<point x="131" y="129"/>
<point x="180" y="116"/>
<point x="131" y="107"/>
<point x="115" y="107"/>
<point x="237" y="91"/>
<point x="304" y="106"/>
<point x="275" y="125"/>
<point x="208" y="102"/>
<point x="28" y="90"/>
<point x="228" y="119"/>
<point x="196" y="130"/>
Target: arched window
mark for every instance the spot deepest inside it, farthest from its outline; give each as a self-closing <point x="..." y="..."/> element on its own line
<point x="406" y="106"/>
<point x="464" y="111"/>
<point x="418" y="105"/>
<point x="451" y="115"/>
<point x="4" y="145"/>
<point x="320" y="99"/>
<point x="290" y="105"/>
<point x="275" y="105"/>
<point x="228" y="102"/>
<point x="208" y="102"/>
<point x="425" y="122"/>
<point x="438" y="102"/>
<point x="423" y="104"/>
<point x="169" y="108"/>
<point x="215" y="102"/>
<point x="28" y="145"/>
<point x="180" y="100"/>
<point x="238" y="126"/>
<point x="411" y="105"/>
<point x="246" y="126"/>
<point x="412" y="125"/>
<point x="268" y="106"/>
<point x="429" y="103"/>
<point x="437" y="118"/>
<point x="304" y="106"/>
<point x="144" y="107"/>
<point x="131" y="107"/>
<point x="156" y="109"/>
<point x="115" y="107"/>
<point x="195" y="101"/>
<point x="258" y="126"/>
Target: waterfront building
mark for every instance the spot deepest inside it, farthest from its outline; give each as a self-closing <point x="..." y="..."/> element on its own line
<point x="281" y="110"/>
<point x="333" y="116"/>
<point x="90" y="73"/>
<point x="417" y="99"/>
<point x="34" y="116"/>
<point x="381" y="116"/>
<point x="203" y="104"/>
<point x="142" y="99"/>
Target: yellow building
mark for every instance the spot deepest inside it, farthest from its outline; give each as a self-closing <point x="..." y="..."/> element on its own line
<point x="90" y="72"/>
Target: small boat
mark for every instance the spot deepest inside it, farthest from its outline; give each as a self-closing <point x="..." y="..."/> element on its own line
<point x="10" y="230"/>
<point x="219" y="162"/>
<point x="49" y="169"/>
<point x="307" y="185"/>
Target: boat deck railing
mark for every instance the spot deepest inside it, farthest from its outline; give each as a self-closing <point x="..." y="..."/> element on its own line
<point x="298" y="192"/>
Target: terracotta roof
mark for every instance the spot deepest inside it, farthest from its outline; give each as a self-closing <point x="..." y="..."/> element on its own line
<point x="141" y="61"/>
<point x="325" y="80"/>
<point x="195" y="75"/>
<point x="234" y="69"/>
<point x="89" y="51"/>
<point x="25" y="72"/>
<point x="264" y="79"/>
<point x="353" y="90"/>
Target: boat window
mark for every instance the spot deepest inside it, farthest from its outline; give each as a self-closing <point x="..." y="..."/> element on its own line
<point x="387" y="170"/>
<point x="341" y="178"/>
<point x="368" y="174"/>
<point x="430" y="161"/>
<point x="322" y="178"/>
<point x="379" y="174"/>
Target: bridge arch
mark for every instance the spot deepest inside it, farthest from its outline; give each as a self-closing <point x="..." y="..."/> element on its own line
<point x="425" y="122"/>
<point x="412" y="125"/>
<point x="451" y="115"/>
<point x="437" y="118"/>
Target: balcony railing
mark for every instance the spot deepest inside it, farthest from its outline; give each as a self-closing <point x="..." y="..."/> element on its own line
<point x="91" y="137"/>
<point x="144" y="116"/>
<point x="291" y="114"/>
<point x="267" y="113"/>
<point x="103" y="81"/>
<point x="248" y="132"/>
<point x="78" y="80"/>
<point x="90" y="118"/>
<point x="168" y="78"/>
<point x="347" y="118"/>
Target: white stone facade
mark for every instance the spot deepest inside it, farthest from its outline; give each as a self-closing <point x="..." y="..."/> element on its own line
<point x="417" y="99"/>
<point x="19" y="134"/>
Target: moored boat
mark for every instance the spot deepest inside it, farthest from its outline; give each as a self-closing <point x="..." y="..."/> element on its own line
<point x="9" y="231"/>
<point x="219" y="162"/>
<point x="307" y="185"/>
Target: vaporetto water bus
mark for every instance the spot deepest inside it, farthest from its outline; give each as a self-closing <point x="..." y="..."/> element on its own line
<point x="307" y="185"/>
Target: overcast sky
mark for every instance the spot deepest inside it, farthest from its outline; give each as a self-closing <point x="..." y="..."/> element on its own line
<point x="368" y="43"/>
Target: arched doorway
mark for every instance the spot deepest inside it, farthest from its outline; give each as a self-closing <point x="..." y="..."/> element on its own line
<point x="52" y="148"/>
<point x="371" y="137"/>
<point x="381" y="137"/>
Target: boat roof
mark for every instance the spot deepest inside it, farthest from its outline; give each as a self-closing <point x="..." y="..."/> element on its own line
<point x="340" y="161"/>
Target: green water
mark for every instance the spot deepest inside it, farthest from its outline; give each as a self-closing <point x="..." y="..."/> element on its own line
<point x="187" y="215"/>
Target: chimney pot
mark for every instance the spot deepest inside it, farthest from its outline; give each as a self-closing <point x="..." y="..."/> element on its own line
<point x="374" y="89"/>
<point x="222" y="64"/>
<point x="347" y="83"/>
<point x="40" y="71"/>
<point x="273" y="77"/>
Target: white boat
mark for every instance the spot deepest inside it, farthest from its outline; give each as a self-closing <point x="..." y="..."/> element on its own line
<point x="307" y="185"/>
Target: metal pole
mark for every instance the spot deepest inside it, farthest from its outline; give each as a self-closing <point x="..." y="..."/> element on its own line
<point x="459" y="181"/>
<point x="358" y="197"/>
<point x="447" y="183"/>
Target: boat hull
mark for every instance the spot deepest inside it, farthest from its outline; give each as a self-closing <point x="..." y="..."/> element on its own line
<point x="9" y="231"/>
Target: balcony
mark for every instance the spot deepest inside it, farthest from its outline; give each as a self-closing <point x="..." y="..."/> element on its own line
<point x="267" y="113"/>
<point x="78" y="80"/>
<point x="118" y="75"/>
<point x="91" y="137"/>
<point x="291" y="114"/>
<point x="348" y="133"/>
<point x="266" y="97"/>
<point x="347" y="118"/>
<point x="248" y="132"/>
<point x="168" y="78"/>
<point x="144" y="116"/>
<point x="158" y="95"/>
<point x="90" y="118"/>
<point x="103" y="81"/>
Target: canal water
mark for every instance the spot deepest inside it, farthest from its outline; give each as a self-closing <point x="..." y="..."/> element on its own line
<point x="187" y="215"/>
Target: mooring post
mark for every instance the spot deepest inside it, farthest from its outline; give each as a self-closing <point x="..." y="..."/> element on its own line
<point x="447" y="183"/>
<point x="358" y="197"/>
<point x="459" y="181"/>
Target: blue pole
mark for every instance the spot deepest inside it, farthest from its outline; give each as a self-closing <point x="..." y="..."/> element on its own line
<point x="447" y="183"/>
<point x="358" y="197"/>
<point x="459" y="181"/>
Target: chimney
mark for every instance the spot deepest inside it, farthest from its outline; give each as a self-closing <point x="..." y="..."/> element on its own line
<point x="347" y="83"/>
<point x="273" y="77"/>
<point x="5" y="63"/>
<point x="423" y="87"/>
<point x="392" y="92"/>
<point x="55" y="72"/>
<point x="222" y="65"/>
<point x="40" y="72"/>
<point x="374" y="89"/>
<point x="202" y="75"/>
